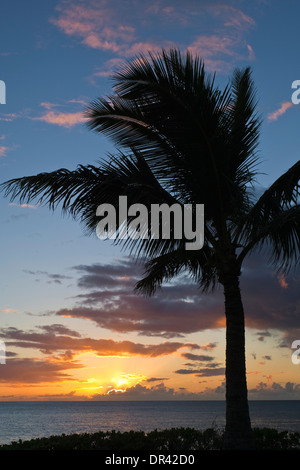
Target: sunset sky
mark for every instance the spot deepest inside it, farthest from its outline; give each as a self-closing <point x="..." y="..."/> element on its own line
<point x="72" y="326"/>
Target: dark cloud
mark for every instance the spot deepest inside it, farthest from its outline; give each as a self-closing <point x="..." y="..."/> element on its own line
<point x="271" y="300"/>
<point x="262" y="335"/>
<point x="179" y="308"/>
<point x="197" y="357"/>
<point x="156" y="379"/>
<point x="211" y="365"/>
<point x="36" y="371"/>
<point x="53" y="278"/>
<point x="267" y="358"/>
<point x="155" y="392"/>
<point x="285" y="391"/>
<point x="205" y="372"/>
<point x="208" y="346"/>
<point x="173" y="311"/>
<point x="275" y="390"/>
<point x="124" y="272"/>
<point x="211" y="372"/>
<point x="140" y="392"/>
<point x="57" y="338"/>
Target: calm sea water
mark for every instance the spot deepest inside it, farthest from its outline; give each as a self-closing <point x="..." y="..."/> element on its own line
<point x="27" y="420"/>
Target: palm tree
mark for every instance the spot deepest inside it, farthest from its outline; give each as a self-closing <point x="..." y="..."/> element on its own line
<point x="180" y="139"/>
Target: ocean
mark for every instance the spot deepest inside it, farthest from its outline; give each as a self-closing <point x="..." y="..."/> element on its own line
<point x="27" y="420"/>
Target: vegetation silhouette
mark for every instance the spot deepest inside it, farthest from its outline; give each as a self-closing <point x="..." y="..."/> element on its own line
<point x="174" y="439"/>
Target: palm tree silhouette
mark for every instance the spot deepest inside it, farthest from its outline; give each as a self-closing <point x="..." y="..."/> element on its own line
<point x="182" y="140"/>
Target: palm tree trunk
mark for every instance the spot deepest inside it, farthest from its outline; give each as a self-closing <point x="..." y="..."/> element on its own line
<point x="238" y="433"/>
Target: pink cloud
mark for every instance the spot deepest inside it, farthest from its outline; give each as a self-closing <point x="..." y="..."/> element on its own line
<point x="78" y="101"/>
<point x="48" y="105"/>
<point x="3" y="151"/>
<point x="108" y="68"/>
<point x="232" y="17"/>
<point x="213" y="49"/>
<point x="8" y="117"/>
<point x="142" y="48"/>
<point x="29" y="206"/>
<point x="102" y="26"/>
<point x="209" y="45"/>
<point x="251" y="52"/>
<point x="96" y="27"/>
<point x="282" y="281"/>
<point x="67" y="120"/>
<point x="94" y="41"/>
<point x="280" y="111"/>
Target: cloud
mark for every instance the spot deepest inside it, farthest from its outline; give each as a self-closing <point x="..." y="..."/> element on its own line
<point x="282" y="281"/>
<point x="179" y="308"/>
<point x="197" y="357"/>
<point x="167" y="315"/>
<point x="267" y="306"/>
<point x="251" y="52"/>
<point x="48" y="105"/>
<point x="107" y="69"/>
<point x="262" y="335"/>
<point x="264" y="390"/>
<point x="280" y="111"/>
<point x="3" y="150"/>
<point x="204" y="372"/>
<point x="158" y="392"/>
<point x="140" y="392"/>
<point x="53" y="277"/>
<point x="36" y="371"/>
<point x="24" y="206"/>
<point x="67" y="119"/>
<point x="275" y="391"/>
<point x="8" y="117"/>
<point x="208" y="346"/>
<point x="98" y="27"/>
<point x="110" y="302"/>
<point x="95" y="26"/>
<point x="212" y="49"/>
<point x="156" y="379"/>
<point x="114" y="29"/>
<point x="62" y="119"/>
<point x="232" y="17"/>
<point x="57" y="338"/>
<point x="226" y="45"/>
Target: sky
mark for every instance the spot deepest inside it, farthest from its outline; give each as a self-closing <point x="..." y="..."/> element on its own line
<point x="70" y="322"/>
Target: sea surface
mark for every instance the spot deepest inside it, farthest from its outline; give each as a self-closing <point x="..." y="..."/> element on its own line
<point x="27" y="420"/>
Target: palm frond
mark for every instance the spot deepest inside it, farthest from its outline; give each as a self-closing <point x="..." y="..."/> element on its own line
<point x="80" y="192"/>
<point x="170" y="111"/>
<point x="199" y="265"/>
<point x="284" y="192"/>
<point x="282" y="238"/>
<point x="62" y="186"/>
<point x="282" y="195"/>
<point x="245" y="126"/>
